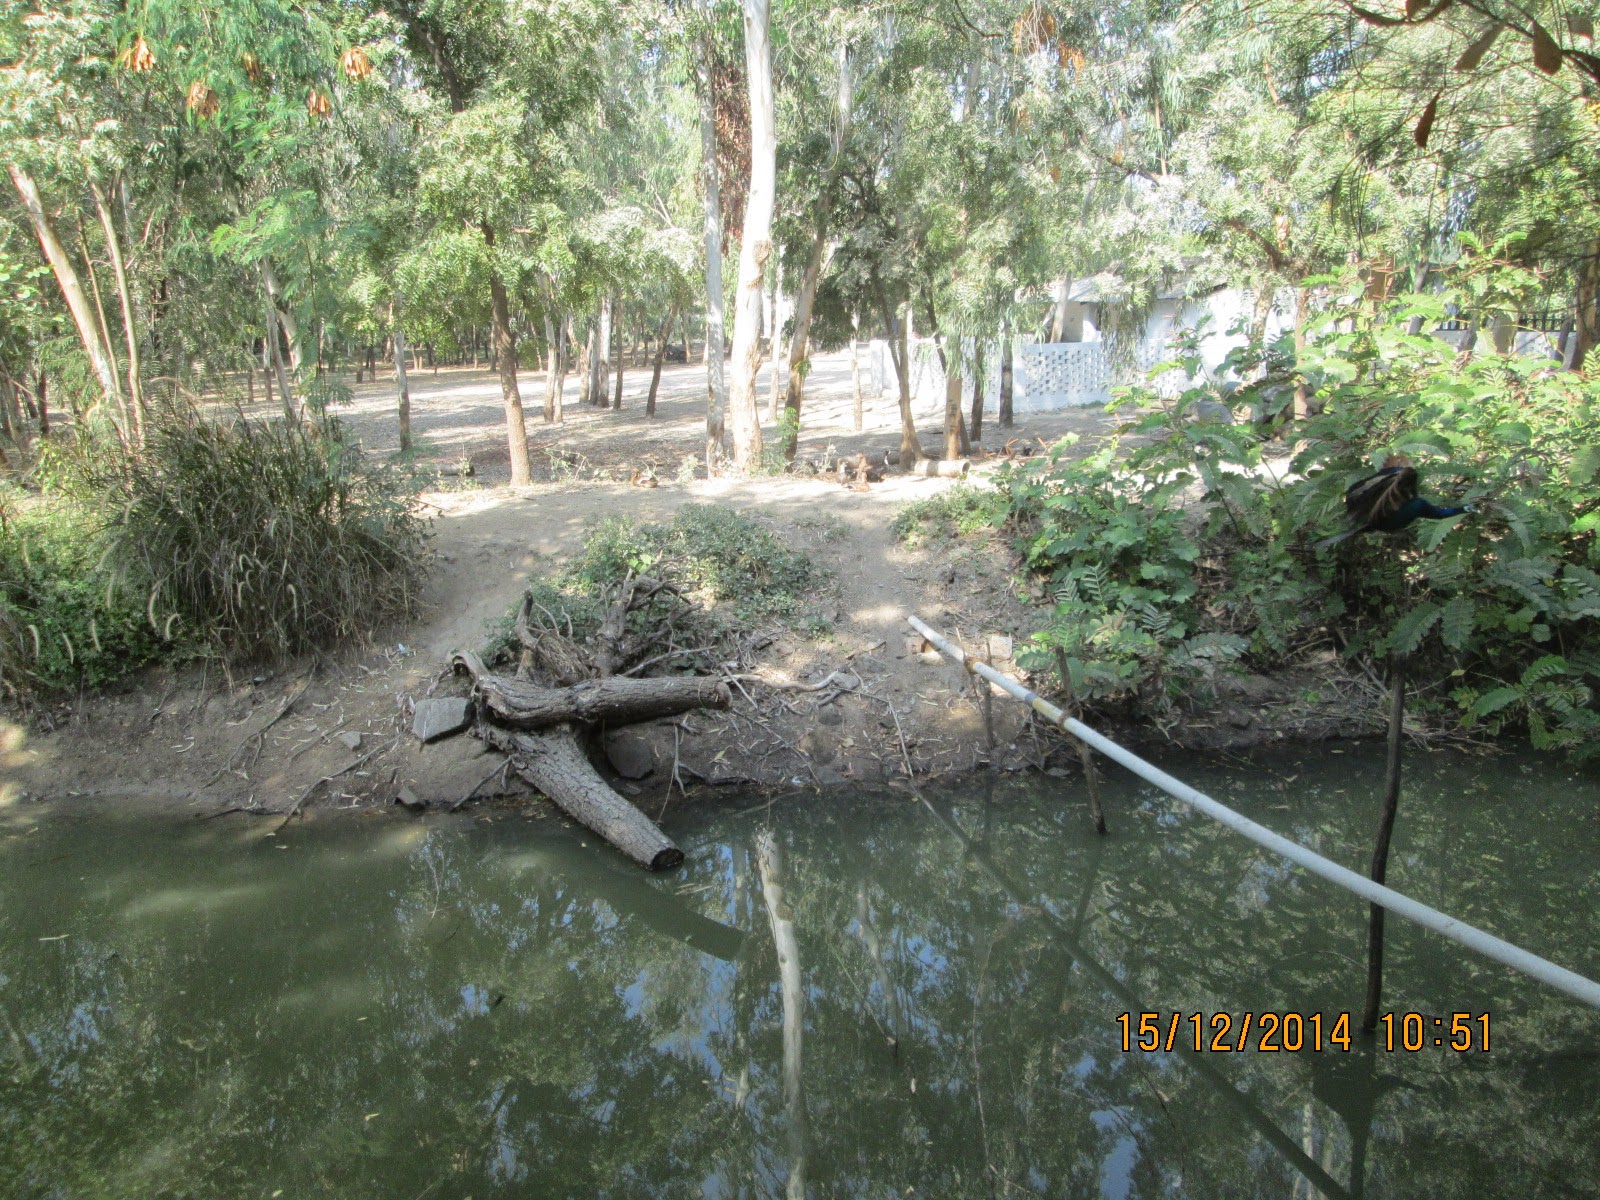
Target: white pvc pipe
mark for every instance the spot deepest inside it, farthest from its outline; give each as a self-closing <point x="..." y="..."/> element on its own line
<point x="1518" y="959"/>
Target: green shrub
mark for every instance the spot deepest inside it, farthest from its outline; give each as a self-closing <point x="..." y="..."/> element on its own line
<point x="264" y="538"/>
<point x="1166" y="557"/>
<point x="63" y="620"/>
<point x="957" y="511"/>
<point x="721" y="556"/>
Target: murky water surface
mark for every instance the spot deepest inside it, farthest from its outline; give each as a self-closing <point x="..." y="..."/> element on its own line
<point x="892" y="996"/>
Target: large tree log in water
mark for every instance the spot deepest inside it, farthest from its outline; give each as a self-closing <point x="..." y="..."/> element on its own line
<point x="556" y="765"/>
<point x="537" y="724"/>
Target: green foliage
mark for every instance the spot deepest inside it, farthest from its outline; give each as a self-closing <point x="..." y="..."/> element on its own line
<point x="718" y="556"/>
<point x="1180" y="551"/>
<point x="265" y="539"/>
<point x="63" y="619"/>
<point x="958" y="511"/>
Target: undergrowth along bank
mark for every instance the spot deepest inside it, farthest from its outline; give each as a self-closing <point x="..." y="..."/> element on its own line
<point x="740" y="574"/>
<point x="246" y="540"/>
<point x="1187" y="544"/>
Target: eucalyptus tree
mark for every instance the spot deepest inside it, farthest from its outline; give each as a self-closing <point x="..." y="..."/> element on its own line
<point x="513" y="79"/>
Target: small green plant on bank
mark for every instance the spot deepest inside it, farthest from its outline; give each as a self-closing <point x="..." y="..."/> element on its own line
<point x="958" y="511"/>
<point x="733" y="565"/>
<point x="1179" y="551"/>
<point x="63" y="620"/>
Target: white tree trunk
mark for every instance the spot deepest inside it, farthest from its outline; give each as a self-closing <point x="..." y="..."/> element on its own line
<point x="716" y="380"/>
<point x="77" y="303"/>
<point x="403" y="404"/>
<point x="756" y="246"/>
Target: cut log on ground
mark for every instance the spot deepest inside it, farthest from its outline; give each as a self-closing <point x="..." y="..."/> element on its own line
<point x="615" y="700"/>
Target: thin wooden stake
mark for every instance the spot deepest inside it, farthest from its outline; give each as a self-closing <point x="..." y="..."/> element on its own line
<point x="1091" y="776"/>
<point x="1380" y="849"/>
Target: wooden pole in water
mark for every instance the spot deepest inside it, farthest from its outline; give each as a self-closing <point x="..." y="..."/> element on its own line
<point x="1085" y="756"/>
<point x="1380" y="849"/>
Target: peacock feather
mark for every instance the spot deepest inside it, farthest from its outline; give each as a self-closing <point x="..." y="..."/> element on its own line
<point x="1388" y="501"/>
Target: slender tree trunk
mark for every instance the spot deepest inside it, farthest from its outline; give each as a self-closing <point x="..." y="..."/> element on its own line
<point x="711" y="352"/>
<point x="1058" y="316"/>
<point x="622" y="354"/>
<point x="1587" y="324"/>
<point x="552" y="350"/>
<point x="1260" y="320"/>
<point x="899" y="353"/>
<point x="275" y="362"/>
<point x="563" y="361"/>
<point x="266" y="367"/>
<point x="775" y="391"/>
<point x="755" y="250"/>
<point x="505" y="349"/>
<point x="954" y="428"/>
<point x="975" y="432"/>
<point x="1007" y="381"/>
<point x="100" y="317"/>
<point x="661" y="357"/>
<point x="855" y="373"/>
<point x="286" y="317"/>
<point x="1302" y="393"/>
<point x="41" y="397"/>
<point x="404" y="386"/>
<point x="800" y="336"/>
<point x="67" y="279"/>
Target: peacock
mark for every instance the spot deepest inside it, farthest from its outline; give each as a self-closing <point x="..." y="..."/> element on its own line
<point x="1388" y="501"/>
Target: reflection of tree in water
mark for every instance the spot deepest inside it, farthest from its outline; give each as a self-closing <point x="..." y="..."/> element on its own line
<point x="496" y="1012"/>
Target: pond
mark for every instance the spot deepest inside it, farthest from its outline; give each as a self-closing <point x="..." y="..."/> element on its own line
<point x="908" y="993"/>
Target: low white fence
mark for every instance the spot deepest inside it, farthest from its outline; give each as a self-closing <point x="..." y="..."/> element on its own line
<point x="1046" y="376"/>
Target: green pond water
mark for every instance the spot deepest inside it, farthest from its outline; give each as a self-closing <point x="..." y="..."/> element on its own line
<point x="496" y="1006"/>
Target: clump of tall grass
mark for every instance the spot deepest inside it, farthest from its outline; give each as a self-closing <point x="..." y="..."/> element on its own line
<point x="266" y="539"/>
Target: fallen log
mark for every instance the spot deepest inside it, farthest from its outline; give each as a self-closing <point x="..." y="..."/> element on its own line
<point x="612" y="700"/>
<point x="554" y="763"/>
<point x="941" y="468"/>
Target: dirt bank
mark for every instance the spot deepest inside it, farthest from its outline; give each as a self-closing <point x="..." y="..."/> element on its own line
<point x="337" y="732"/>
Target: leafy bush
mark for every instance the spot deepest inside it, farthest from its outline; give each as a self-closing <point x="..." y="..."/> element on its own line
<point x="265" y="539"/>
<point x="958" y="511"/>
<point x="1169" y="556"/>
<point x="63" y="620"/>
<point x="723" y="556"/>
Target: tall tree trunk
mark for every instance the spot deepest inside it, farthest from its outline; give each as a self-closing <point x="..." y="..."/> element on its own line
<point x="275" y="362"/>
<point x="286" y="318"/>
<point x="954" y="428"/>
<point x="855" y="374"/>
<point x="505" y="350"/>
<point x="1058" y="316"/>
<point x="661" y="357"/>
<point x="403" y="384"/>
<point x="1007" y="381"/>
<point x="552" y="350"/>
<point x="975" y="431"/>
<point x="67" y="279"/>
<point x="100" y="317"/>
<point x="266" y="366"/>
<point x="711" y="352"/>
<point x="1302" y="393"/>
<point x="1586" y="333"/>
<point x="899" y="353"/>
<point x="805" y="298"/>
<point x="563" y="351"/>
<point x="755" y="249"/>
<point x="622" y="354"/>
<point x="41" y="397"/>
<point x="774" y="331"/>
